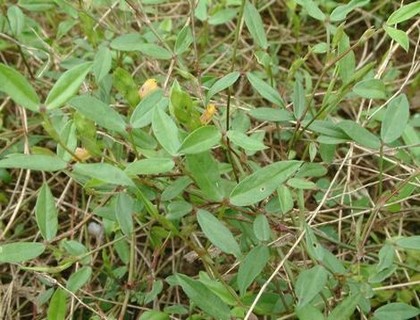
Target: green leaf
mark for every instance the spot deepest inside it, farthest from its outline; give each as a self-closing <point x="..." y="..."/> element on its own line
<point x="222" y="84"/>
<point x="309" y="312"/>
<point x="346" y="308"/>
<point x="340" y="13"/>
<point x="396" y="311"/>
<point x="20" y="251"/>
<point x="399" y="36"/>
<point x="261" y="228"/>
<point x="262" y="182"/>
<point x="255" y="25"/>
<point x="123" y="81"/>
<point x="69" y="138"/>
<point x="204" y="298"/>
<point x="205" y="172"/>
<point x="16" y="20"/>
<point x="166" y="131"/>
<point x="200" y="140"/>
<point x="265" y="90"/>
<point x="312" y="8"/>
<point x="79" y="278"/>
<point x="155" y="51"/>
<point x="142" y="115"/>
<point x="149" y="166"/>
<point x="124" y="208"/>
<point x="200" y="11"/>
<point x="395" y="119"/>
<point x="370" y="89"/>
<point x="252" y="266"/>
<point x="58" y="306"/>
<point x="103" y="172"/>
<point x="271" y="114"/>
<point x="217" y="233"/>
<point x="102" y="63"/>
<point x="309" y="283"/>
<point x="218" y="288"/>
<point x="46" y="213"/>
<point x="99" y="112"/>
<point x="404" y="13"/>
<point x="33" y="162"/>
<point x="285" y="198"/>
<point x="153" y="294"/>
<point x="409" y="243"/>
<point x="128" y="42"/>
<point x="222" y="16"/>
<point x="183" y="40"/>
<point x="359" y="134"/>
<point x="245" y="142"/>
<point x="299" y="99"/>
<point x="154" y="315"/>
<point x="18" y="88"/>
<point x="299" y="183"/>
<point x="67" y="85"/>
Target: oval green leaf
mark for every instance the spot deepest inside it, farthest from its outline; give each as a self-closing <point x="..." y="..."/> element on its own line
<point x="370" y="89"/>
<point x="395" y="119"/>
<point x="245" y="142"/>
<point x="166" y="131"/>
<point x="149" y="166"/>
<point x="251" y="267"/>
<point x="404" y="13"/>
<point x="261" y="228"/>
<point x="67" y="85"/>
<point x="20" y="251"/>
<point x="217" y="233"/>
<point x="142" y="115"/>
<point x="255" y="25"/>
<point x="262" y="182"/>
<point x="18" y="88"/>
<point x="79" y="279"/>
<point x="200" y="140"/>
<point x="271" y="114"/>
<point x="265" y="90"/>
<point x="58" y="306"/>
<point x="99" y="112"/>
<point x="309" y="283"/>
<point x="359" y="134"/>
<point x="396" y="311"/>
<point x="222" y="84"/>
<point x="124" y="208"/>
<point x="103" y="172"/>
<point x="33" y="162"/>
<point x="46" y="213"/>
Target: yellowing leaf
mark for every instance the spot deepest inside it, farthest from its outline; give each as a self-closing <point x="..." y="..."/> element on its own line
<point x="148" y="86"/>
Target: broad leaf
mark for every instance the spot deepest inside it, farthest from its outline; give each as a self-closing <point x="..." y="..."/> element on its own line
<point x="271" y="114"/>
<point x="204" y="298"/>
<point x="79" y="278"/>
<point x="262" y="182"/>
<point x="370" y="89"/>
<point x="124" y="208"/>
<point x="102" y="63"/>
<point x="33" y="162"/>
<point x="245" y="142"/>
<point x="265" y="90"/>
<point x="398" y="35"/>
<point x="312" y="9"/>
<point x="46" y="213"/>
<point x="20" y="251"/>
<point x="409" y="243"/>
<point x="345" y="309"/>
<point x="142" y="115"/>
<point x="67" y="85"/>
<point x="359" y="134"/>
<point x="99" y="112"/>
<point x="222" y="84"/>
<point x="404" y="13"/>
<point x="200" y="140"/>
<point x="309" y="283"/>
<point x="183" y="40"/>
<point x="166" y="131"/>
<point x="261" y="228"/>
<point x="149" y="166"/>
<point x="395" y="119"/>
<point x="251" y="267"/>
<point x="396" y="311"/>
<point x="340" y="13"/>
<point x="255" y="25"/>
<point x="18" y="88"/>
<point x="57" y="307"/>
<point x="217" y="233"/>
<point x="103" y="172"/>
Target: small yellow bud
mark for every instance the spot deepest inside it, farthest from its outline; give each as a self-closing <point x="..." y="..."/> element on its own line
<point x="81" y="154"/>
<point x="148" y="86"/>
<point x="208" y="114"/>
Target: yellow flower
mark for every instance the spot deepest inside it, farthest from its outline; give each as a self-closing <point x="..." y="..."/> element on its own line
<point x="208" y="114"/>
<point x="148" y="86"/>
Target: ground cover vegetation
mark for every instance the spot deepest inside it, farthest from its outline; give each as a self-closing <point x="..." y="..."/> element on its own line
<point x="202" y="159"/>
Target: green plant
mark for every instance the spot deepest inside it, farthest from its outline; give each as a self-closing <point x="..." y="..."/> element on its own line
<point x="273" y="172"/>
